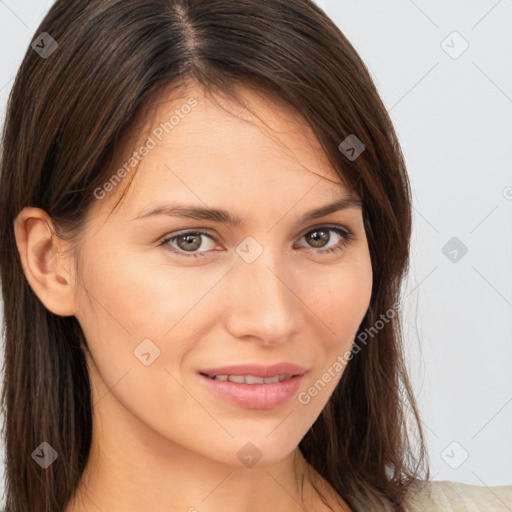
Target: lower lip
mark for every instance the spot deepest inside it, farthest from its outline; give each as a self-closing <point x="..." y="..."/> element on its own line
<point x="255" y="396"/>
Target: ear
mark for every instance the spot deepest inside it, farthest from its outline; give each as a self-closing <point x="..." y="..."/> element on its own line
<point x="45" y="263"/>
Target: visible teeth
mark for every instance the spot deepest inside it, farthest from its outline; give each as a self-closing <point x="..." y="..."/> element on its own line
<point x="237" y="378"/>
<point x="250" y="379"/>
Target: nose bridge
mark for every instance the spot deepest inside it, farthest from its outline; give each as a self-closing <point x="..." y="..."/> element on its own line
<point x="263" y="303"/>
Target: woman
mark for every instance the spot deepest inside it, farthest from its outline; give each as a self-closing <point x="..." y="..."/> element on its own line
<point x="205" y="221"/>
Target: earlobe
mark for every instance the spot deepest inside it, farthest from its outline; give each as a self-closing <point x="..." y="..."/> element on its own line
<point x="44" y="261"/>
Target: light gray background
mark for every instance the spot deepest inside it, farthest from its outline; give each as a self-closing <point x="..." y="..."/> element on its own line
<point x="453" y="117"/>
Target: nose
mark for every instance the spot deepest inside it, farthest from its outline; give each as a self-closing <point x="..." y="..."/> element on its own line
<point x="262" y="303"/>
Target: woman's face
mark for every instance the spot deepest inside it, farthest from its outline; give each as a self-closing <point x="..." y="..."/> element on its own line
<point x="278" y="287"/>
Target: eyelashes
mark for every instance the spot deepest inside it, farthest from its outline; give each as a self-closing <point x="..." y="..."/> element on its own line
<point x="193" y="237"/>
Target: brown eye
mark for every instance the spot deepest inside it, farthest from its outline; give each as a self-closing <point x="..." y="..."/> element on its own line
<point x="190" y="241"/>
<point x="187" y="242"/>
<point x="318" y="237"/>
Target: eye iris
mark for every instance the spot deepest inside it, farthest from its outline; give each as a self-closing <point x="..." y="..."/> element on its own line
<point x="187" y="239"/>
<point x="315" y="242"/>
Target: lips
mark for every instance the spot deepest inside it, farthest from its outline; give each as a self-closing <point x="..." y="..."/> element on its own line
<point x="253" y="396"/>
<point x="256" y="370"/>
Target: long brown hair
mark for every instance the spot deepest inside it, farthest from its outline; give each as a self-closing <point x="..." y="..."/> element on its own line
<point x="66" y="116"/>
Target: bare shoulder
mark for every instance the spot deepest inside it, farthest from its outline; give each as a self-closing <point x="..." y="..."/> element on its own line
<point x="446" y="496"/>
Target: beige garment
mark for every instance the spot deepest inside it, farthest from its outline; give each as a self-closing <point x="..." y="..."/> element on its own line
<point x="448" y="496"/>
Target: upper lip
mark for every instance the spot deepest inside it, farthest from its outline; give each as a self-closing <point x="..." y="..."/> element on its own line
<point x="258" y="370"/>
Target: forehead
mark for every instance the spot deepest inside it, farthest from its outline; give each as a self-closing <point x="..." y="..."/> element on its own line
<point x="211" y="149"/>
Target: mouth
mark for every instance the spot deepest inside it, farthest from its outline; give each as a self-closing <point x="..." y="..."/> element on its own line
<point x="252" y="391"/>
<point x="251" y="379"/>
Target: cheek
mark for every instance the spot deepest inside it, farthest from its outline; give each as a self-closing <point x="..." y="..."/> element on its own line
<point x="131" y="305"/>
<point x="341" y="299"/>
<point x="125" y="311"/>
<point x="136" y="296"/>
<point x="341" y="307"/>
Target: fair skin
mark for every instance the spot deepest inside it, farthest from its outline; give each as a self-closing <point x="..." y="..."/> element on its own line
<point x="161" y="440"/>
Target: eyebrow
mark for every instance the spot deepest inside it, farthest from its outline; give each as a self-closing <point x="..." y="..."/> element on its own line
<point x="223" y="216"/>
